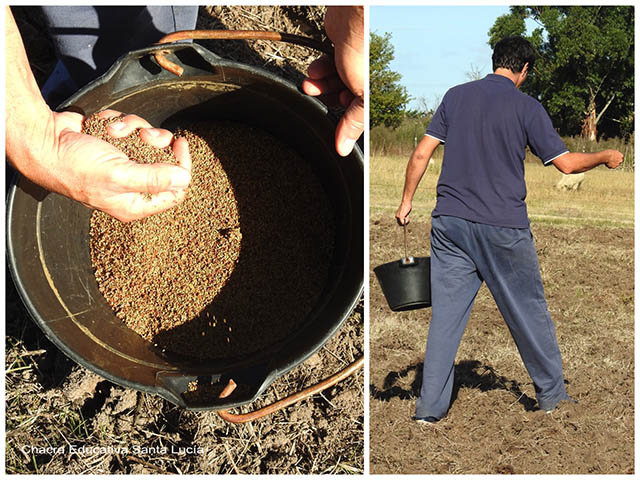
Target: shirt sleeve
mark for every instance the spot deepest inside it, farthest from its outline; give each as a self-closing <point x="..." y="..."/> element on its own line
<point x="542" y="138"/>
<point x="438" y="126"/>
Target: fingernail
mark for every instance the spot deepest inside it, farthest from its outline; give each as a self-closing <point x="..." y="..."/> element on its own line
<point x="346" y="146"/>
<point x="310" y="89"/>
<point x="153" y="132"/>
<point x="117" y="126"/>
<point x="180" y="178"/>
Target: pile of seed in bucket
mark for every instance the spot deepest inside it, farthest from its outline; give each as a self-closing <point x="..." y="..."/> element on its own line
<point x="237" y="266"/>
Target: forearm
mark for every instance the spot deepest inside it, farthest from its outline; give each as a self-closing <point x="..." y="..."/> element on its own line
<point x="577" y="162"/>
<point x="29" y="127"/>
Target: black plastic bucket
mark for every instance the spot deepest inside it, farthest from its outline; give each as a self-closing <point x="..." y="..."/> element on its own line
<point x="406" y="283"/>
<point x="48" y="234"/>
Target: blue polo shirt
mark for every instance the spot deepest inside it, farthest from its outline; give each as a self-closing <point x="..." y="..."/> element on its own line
<point x="485" y="126"/>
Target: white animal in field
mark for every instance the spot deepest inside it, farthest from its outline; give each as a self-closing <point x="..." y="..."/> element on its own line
<point x="570" y="182"/>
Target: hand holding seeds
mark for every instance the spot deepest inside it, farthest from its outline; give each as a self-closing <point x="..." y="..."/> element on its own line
<point x="103" y="176"/>
<point x="50" y="149"/>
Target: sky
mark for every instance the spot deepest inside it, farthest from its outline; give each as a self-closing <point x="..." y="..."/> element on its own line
<point x="435" y="46"/>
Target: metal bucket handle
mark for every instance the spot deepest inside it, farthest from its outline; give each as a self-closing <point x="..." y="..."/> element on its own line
<point x="406" y="261"/>
<point x="168" y="65"/>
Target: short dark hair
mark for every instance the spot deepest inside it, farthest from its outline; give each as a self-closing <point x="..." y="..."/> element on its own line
<point x="513" y="53"/>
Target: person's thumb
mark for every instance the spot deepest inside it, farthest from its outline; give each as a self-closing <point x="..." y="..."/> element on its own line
<point x="350" y="127"/>
<point x="154" y="178"/>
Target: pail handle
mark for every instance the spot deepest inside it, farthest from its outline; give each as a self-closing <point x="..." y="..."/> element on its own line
<point x="406" y="257"/>
<point x="291" y="399"/>
<point x="165" y="63"/>
<point x="406" y="261"/>
<point x="173" y="386"/>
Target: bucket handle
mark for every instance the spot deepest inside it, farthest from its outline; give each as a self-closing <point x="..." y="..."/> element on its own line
<point x="406" y="261"/>
<point x="406" y="257"/>
<point x="291" y="399"/>
<point x="165" y="63"/>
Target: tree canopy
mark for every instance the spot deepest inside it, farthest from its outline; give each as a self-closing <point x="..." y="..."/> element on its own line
<point x="388" y="99"/>
<point x="583" y="74"/>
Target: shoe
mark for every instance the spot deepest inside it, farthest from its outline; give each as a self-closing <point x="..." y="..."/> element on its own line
<point x="555" y="407"/>
<point x="425" y="420"/>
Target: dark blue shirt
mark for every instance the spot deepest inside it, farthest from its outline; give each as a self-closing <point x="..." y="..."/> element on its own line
<point x="485" y="126"/>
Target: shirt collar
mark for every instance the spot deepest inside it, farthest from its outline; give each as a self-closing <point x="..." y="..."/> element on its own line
<point x="499" y="78"/>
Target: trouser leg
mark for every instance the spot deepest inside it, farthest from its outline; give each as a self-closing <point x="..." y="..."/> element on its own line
<point x="88" y="39"/>
<point x="512" y="274"/>
<point x="454" y="285"/>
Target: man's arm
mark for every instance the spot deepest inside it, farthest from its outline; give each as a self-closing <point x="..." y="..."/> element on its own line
<point x="576" y="162"/>
<point x="50" y="149"/>
<point x="24" y="104"/>
<point x="415" y="170"/>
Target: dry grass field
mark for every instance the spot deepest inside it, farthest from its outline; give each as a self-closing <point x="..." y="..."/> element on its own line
<point x="53" y="402"/>
<point x="605" y="197"/>
<point x="585" y="245"/>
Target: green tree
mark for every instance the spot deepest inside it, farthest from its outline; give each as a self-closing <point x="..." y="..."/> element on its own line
<point x="387" y="99"/>
<point x="584" y="71"/>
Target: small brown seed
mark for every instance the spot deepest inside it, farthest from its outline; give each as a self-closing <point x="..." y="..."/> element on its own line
<point x="251" y="244"/>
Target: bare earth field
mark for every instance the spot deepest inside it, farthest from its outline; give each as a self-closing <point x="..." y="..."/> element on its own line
<point x="493" y="425"/>
<point x="53" y="402"/>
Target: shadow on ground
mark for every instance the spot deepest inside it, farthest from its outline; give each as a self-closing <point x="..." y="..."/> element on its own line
<point x="468" y="374"/>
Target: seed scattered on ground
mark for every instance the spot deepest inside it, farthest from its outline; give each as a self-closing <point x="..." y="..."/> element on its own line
<point x="251" y="244"/>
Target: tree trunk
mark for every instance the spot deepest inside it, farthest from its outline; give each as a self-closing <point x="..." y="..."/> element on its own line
<point x="589" y="126"/>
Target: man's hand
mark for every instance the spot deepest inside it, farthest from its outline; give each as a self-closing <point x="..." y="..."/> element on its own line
<point x="613" y="158"/>
<point x="402" y="214"/>
<point x="340" y="80"/>
<point x="100" y="176"/>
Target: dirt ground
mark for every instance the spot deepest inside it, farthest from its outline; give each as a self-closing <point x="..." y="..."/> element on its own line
<point x="52" y="402"/>
<point x="493" y="425"/>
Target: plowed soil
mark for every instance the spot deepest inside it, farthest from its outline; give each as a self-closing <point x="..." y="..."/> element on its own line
<point x="493" y="425"/>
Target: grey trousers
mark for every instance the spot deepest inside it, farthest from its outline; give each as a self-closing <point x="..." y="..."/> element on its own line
<point x="463" y="255"/>
<point x="89" y="39"/>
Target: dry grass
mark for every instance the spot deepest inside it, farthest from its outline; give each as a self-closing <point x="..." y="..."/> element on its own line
<point x="605" y="198"/>
<point x="281" y="58"/>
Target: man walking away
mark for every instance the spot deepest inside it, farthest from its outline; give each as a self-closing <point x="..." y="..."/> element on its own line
<point x="480" y="228"/>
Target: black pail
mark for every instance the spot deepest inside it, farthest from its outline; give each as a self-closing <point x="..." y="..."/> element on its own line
<point x="406" y="283"/>
<point x="48" y="241"/>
